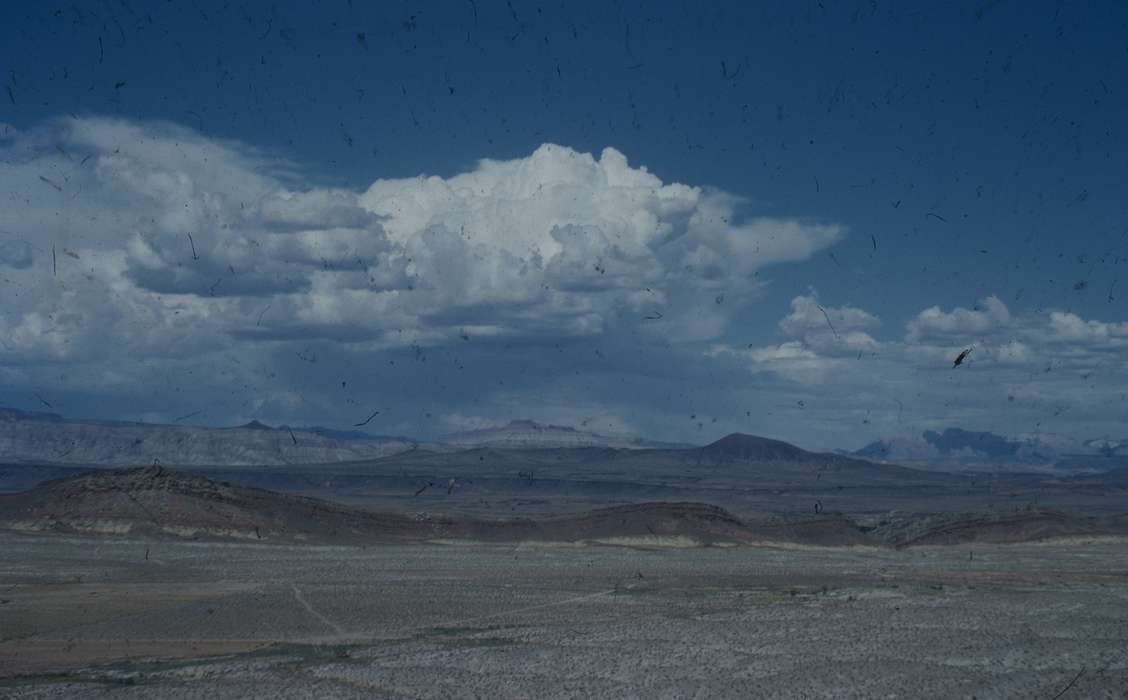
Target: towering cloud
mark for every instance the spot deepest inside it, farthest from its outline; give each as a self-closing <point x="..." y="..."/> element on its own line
<point x="130" y="245"/>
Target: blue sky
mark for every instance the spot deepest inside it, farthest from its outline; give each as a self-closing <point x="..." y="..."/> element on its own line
<point x="906" y="163"/>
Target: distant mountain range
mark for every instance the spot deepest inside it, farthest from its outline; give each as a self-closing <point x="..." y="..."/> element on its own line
<point x="527" y="434"/>
<point x="33" y="436"/>
<point x="956" y="447"/>
<point x="48" y="438"/>
<point x="30" y="436"/>
<point x="745" y="474"/>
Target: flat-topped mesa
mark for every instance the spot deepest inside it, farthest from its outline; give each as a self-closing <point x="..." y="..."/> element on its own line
<point x="528" y="434"/>
<point x="526" y="424"/>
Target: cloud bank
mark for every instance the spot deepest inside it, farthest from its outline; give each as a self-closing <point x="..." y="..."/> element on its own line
<point x="132" y="250"/>
<point x="150" y="271"/>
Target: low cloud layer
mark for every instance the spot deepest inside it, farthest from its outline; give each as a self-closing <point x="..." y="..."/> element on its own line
<point x="1026" y="373"/>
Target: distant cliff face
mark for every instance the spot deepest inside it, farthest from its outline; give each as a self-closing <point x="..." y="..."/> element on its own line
<point x="48" y="438"/>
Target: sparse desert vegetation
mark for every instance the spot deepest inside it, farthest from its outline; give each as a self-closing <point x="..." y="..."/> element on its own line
<point x="150" y="619"/>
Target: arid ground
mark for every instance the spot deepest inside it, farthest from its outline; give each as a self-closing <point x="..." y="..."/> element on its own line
<point x="80" y="616"/>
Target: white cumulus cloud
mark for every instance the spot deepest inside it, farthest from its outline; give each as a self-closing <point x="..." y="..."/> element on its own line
<point x="149" y="250"/>
<point x="989" y="315"/>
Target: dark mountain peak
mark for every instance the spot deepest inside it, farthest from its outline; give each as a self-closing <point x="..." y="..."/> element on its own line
<point x="255" y="425"/>
<point x="743" y="447"/>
